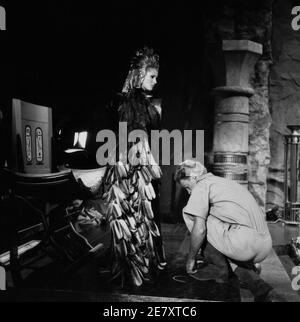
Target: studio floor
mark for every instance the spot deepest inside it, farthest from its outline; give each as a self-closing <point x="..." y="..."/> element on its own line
<point x="89" y="280"/>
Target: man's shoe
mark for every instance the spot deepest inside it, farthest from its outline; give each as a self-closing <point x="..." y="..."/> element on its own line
<point x="257" y="269"/>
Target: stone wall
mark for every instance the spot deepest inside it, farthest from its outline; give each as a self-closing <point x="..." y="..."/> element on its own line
<point x="284" y="93"/>
<point x="259" y="124"/>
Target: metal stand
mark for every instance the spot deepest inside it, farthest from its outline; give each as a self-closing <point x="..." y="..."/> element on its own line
<point x="291" y="176"/>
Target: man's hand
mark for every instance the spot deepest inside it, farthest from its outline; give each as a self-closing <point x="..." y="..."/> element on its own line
<point x="197" y="236"/>
<point x="190" y="266"/>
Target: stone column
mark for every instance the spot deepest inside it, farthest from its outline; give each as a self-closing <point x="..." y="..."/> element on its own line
<point x="231" y="129"/>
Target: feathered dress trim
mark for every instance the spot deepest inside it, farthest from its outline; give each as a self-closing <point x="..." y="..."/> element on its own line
<point x="137" y="252"/>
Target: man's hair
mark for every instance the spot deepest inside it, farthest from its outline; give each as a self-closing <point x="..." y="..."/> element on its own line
<point x="189" y="168"/>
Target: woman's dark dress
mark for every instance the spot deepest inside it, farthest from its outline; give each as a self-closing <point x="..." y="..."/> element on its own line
<point x="137" y="252"/>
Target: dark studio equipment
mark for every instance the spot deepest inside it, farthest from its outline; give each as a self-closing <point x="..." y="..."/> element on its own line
<point x="48" y="198"/>
<point x="38" y="213"/>
<point x="292" y="176"/>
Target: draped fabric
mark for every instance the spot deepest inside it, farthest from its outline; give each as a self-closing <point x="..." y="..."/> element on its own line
<point x="137" y="253"/>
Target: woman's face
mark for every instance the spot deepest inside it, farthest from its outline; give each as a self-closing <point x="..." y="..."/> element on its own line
<point x="150" y="79"/>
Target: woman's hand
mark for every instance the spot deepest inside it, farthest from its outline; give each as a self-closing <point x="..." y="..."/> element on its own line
<point x="191" y="266"/>
<point x="158" y="108"/>
<point x="157" y="104"/>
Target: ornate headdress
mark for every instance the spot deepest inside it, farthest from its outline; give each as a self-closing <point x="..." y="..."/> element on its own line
<point x="142" y="59"/>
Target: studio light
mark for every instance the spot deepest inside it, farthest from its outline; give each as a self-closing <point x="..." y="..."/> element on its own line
<point x="79" y="142"/>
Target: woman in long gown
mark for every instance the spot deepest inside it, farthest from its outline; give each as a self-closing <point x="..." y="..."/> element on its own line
<point x="137" y="253"/>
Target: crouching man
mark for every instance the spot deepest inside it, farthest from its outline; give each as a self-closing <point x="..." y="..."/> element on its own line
<point x="227" y="225"/>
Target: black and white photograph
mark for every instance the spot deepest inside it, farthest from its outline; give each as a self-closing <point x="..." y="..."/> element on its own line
<point x="150" y="153"/>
